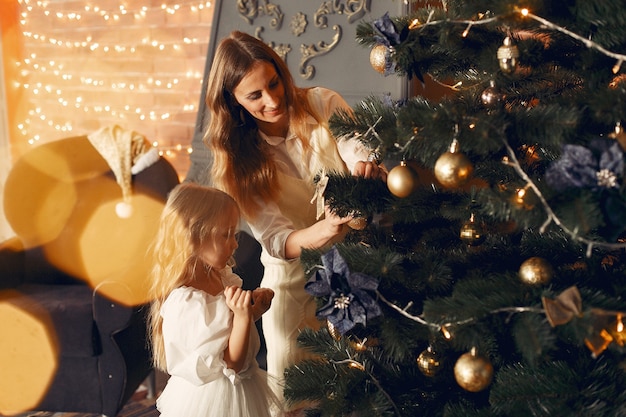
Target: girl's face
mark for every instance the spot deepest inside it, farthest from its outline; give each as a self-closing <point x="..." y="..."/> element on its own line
<point x="217" y="251"/>
<point x="262" y="93"/>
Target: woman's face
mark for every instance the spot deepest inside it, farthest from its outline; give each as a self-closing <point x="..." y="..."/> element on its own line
<point x="261" y="92"/>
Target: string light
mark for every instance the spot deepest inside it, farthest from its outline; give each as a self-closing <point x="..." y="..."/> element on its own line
<point x="513" y="162"/>
<point x="77" y="90"/>
<point x="620" y="58"/>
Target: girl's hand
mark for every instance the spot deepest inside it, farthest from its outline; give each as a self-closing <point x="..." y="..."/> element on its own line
<point x="262" y="300"/>
<point x="238" y="300"/>
<point x="369" y="169"/>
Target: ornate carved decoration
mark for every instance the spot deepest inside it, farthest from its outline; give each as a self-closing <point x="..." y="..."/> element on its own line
<point x="353" y="9"/>
<point x="311" y="51"/>
<point x="298" y="24"/>
<point x="282" y="50"/>
<point x="250" y="10"/>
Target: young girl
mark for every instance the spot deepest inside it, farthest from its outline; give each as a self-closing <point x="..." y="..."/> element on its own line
<point x="201" y="321"/>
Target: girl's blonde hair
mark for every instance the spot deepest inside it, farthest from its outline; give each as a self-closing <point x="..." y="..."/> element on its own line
<point x="190" y="218"/>
<point x="242" y="164"/>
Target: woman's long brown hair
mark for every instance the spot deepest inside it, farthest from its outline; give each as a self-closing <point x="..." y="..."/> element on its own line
<point x="242" y="165"/>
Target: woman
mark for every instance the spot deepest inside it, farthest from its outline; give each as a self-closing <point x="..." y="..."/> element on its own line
<point x="269" y="139"/>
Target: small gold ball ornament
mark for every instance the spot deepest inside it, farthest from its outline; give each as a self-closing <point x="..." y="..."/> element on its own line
<point x="472" y="233"/>
<point x="491" y="96"/>
<point x="535" y="271"/>
<point x="507" y="56"/>
<point x="358" y="223"/>
<point x="453" y="169"/>
<point x="473" y="372"/>
<point x="429" y="362"/>
<point x="401" y="180"/>
<point x="378" y="57"/>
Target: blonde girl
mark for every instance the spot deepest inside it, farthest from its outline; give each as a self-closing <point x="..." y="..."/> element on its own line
<point x="201" y="321"/>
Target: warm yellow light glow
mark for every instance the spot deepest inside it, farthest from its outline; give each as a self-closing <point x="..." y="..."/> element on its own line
<point x="466" y="31"/>
<point x="446" y="333"/>
<point x="82" y="74"/>
<point x="29" y="349"/>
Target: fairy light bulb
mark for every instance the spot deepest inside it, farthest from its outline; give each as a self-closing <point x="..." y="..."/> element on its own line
<point x="620" y="334"/>
<point x="49" y="100"/>
<point x="446" y="333"/>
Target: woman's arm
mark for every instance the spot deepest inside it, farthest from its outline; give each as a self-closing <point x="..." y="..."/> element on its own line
<point x="331" y="226"/>
<point x="316" y="235"/>
<point x="239" y="301"/>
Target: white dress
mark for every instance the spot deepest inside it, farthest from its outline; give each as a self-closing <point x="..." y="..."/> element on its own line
<point x="292" y="308"/>
<point x="196" y="328"/>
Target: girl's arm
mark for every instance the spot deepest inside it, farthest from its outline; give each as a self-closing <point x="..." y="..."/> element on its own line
<point x="239" y="301"/>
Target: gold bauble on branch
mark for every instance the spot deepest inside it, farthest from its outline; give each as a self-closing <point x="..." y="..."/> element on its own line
<point x="491" y="97"/>
<point x="401" y="180"/>
<point x="535" y="271"/>
<point x="453" y="169"/>
<point x="473" y="372"/>
<point x="358" y="222"/>
<point x="507" y="56"/>
<point x="472" y="232"/>
<point x="378" y="57"/>
<point x="429" y="362"/>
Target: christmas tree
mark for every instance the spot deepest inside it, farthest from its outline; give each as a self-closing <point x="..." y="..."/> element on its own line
<point x="487" y="277"/>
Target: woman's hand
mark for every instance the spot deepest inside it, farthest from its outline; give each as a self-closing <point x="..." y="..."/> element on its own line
<point x="316" y="235"/>
<point x="334" y="221"/>
<point x="370" y="169"/>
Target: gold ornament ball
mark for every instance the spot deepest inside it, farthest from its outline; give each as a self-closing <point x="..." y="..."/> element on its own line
<point x="378" y="58"/>
<point x="453" y="169"/>
<point x="535" y="271"/>
<point x="491" y="97"/>
<point x="472" y="233"/>
<point x="401" y="180"/>
<point x="473" y="372"/>
<point x="429" y="362"/>
<point x="358" y="223"/>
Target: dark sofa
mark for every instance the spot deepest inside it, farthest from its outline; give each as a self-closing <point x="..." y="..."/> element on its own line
<point x="73" y="280"/>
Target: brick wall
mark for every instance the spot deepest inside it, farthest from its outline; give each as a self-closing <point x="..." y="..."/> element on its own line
<point x="85" y="65"/>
